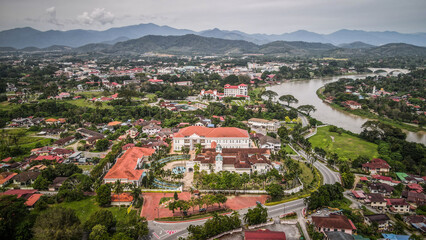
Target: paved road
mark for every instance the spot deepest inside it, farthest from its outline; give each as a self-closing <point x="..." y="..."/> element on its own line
<point x="169" y="231"/>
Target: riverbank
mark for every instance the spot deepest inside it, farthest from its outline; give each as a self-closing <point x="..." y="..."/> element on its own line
<point x="370" y="116"/>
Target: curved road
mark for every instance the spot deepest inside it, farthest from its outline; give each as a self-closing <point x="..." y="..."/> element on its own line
<point x="169" y="231"/>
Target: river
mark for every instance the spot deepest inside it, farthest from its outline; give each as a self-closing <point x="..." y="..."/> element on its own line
<point x="305" y="92"/>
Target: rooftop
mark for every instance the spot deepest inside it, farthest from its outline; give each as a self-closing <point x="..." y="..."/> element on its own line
<point x="333" y="221"/>
<point x="221" y="132"/>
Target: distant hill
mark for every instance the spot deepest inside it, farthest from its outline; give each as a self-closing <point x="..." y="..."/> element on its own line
<point x="355" y="45"/>
<point x="29" y="37"/>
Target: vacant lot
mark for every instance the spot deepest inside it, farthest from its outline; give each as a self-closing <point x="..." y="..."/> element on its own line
<point x="345" y="145"/>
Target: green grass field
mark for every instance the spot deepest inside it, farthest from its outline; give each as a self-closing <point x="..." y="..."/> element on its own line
<point x="86" y="207"/>
<point x="307" y="175"/>
<point x="84" y="103"/>
<point x="345" y="145"/>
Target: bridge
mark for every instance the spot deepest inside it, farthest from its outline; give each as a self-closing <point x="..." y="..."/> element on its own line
<point x="389" y="70"/>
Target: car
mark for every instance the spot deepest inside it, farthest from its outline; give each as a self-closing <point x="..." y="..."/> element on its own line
<point x="202" y="210"/>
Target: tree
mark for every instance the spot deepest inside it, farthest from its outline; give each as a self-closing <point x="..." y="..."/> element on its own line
<point x="12" y="213"/>
<point x="102" y="144"/>
<point x="256" y="215"/>
<point x="41" y="183"/>
<point x="118" y="189"/>
<point x="99" y="232"/>
<point x="57" y="223"/>
<point x="175" y="196"/>
<point x="274" y="190"/>
<point x="269" y="94"/>
<point x="307" y="109"/>
<point x="288" y="99"/>
<point x="133" y="226"/>
<point x="101" y="217"/>
<point x="103" y="195"/>
<point x="221" y="199"/>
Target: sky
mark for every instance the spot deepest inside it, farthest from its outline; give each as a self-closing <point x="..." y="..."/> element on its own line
<point x="250" y="16"/>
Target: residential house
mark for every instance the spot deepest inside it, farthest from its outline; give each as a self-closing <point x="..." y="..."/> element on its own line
<point x="89" y="133"/>
<point x="376" y="166"/>
<point x="417" y="221"/>
<point x="236" y="91"/>
<point x="270" y="143"/>
<point x="397" y="205"/>
<point x="61" y="152"/>
<point x="64" y="141"/>
<point x="228" y="137"/>
<point x="25" y="178"/>
<point x="352" y="104"/>
<point x="332" y="223"/>
<point x="267" y="125"/>
<point x="382" y="220"/>
<point x="151" y="129"/>
<point x="414" y="197"/>
<point x="6" y="178"/>
<point x="57" y="183"/>
<point x="264" y="234"/>
<point x="376" y="200"/>
<point x="381" y="188"/>
<point x="128" y="168"/>
<point x="121" y="199"/>
<point x="338" y="236"/>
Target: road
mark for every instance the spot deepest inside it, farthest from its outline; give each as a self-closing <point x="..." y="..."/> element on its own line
<point x="169" y="231"/>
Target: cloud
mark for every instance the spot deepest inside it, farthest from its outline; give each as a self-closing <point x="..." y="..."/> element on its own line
<point x="98" y="15"/>
<point x="51" y="16"/>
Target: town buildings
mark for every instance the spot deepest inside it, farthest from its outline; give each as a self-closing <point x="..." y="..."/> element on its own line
<point x="128" y="168"/>
<point x="227" y="137"/>
<point x="332" y="223"/>
<point x="376" y="166"/>
<point x="263" y="124"/>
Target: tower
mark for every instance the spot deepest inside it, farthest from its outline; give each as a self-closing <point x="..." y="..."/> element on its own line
<point x="219" y="163"/>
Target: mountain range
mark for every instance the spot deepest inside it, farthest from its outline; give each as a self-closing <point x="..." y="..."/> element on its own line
<point x="191" y="44"/>
<point x="28" y="37"/>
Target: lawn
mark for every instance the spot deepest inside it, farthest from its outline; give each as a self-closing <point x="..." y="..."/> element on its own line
<point x="86" y="207"/>
<point x="345" y="145"/>
<point x="289" y="150"/>
<point x="85" y="103"/>
<point x="86" y="167"/>
<point x="307" y="175"/>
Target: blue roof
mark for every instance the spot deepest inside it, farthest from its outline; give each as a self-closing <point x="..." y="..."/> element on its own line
<point x="395" y="237"/>
<point x="210" y="125"/>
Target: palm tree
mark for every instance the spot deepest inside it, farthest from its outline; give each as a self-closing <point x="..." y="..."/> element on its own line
<point x="118" y="189"/>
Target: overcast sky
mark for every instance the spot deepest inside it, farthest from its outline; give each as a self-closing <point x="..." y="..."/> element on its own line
<point x="251" y="16"/>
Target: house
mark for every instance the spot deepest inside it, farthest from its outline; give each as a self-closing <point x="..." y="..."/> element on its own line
<point x="389" y="236"/>
<point x="64" y="141"/>
<point x="25" y="178"/>
<point x="385" y="180"/>
<point x="415" y="187"/>
<point x="239" y="160"/>
<point x="338" y="236"/>
<point x="376" y="200"/>
<point x="210" y="94"/>
<point x="264" y="234"/>
<point x="414" y="197"/>
<point x="114" y="123"/>
<point x="132" y="132"/>
<point x="352" y="105"/>
<point x="63" y="95"/>
<point x="155" y="81"/>
<point x="417" y="221"/>
<point x="397" y="205"/>
<point x="57" y="183"/>
<point x="89" y="133"/>
<point x="127" y="168"/>
<point x="184" y="83"/>
<point x="228" y="137"/>
<point x="376" y="166"/>
<point x="332" y="223"/>
<point x="151" y="129"/>
<point x="121" y="199"/>
<point x="359" y="194"/>
<point x="381" y="188"/>
<point x="6" y="178"/>
<point x="30" y="196"/>
<point x="270" y="143"/>
<point x="33" y="199"/>
<point x="127" y="146"/>
<point x="61" y="152"/>
<point x="267" y="125"/>
<point x="49" y="158"/>
<point x="382" y="220"/>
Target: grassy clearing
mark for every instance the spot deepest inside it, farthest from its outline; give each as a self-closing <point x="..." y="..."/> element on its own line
<point x="85" y="103"/>
<point x="87" y="206"/>
<point x="164" y="199"/>
<point x="307" y="175"/>
<point x="345" y="145"/>
<point x="193" y="217"/>
<point x="86" y="167"/>
<point x="289" y="150"/>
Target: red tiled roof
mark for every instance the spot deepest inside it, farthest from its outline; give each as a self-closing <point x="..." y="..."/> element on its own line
<point x="7" y="159"/>
<point x="363" y="178"/>
<point x="396" y="201"/>
<point x="333" y="221"/>
<point x="18" y="192"/>
<point x="416" y="187"/>
<point x="264" y="234"/>
<point x="221" y="132"/>
<point x="376" y="163"/>
<point x="378" y="177"/>
<point x="33" y="199"/>
<point x="124" y="197"/>
<point x="125" y="166"/>
<point x="6" y="176"/>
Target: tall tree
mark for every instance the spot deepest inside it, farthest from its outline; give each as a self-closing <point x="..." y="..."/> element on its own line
<point x="307" y="109"/>
<point x="288" y="99"/>
<point x="269" y="94"/>
<point x="57" y="224"/>
<point x="103" y="195"/>
<point x="118" y="189"/>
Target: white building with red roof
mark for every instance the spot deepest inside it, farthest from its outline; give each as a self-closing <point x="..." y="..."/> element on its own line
<point x="227" y="137"/>
<point x="128" y="168"/>
<point x="236" y="91"/>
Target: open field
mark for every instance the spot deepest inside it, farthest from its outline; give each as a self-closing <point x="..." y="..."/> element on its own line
<point x="345" y="145"/>
<point x="86" y="207"/>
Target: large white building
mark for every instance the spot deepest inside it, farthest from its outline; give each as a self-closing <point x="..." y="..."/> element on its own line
<point x="236" y="91"/>
<point x="228" y="137"/>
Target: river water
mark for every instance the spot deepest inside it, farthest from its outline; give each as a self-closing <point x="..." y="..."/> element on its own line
<point x="305" y="92"/>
